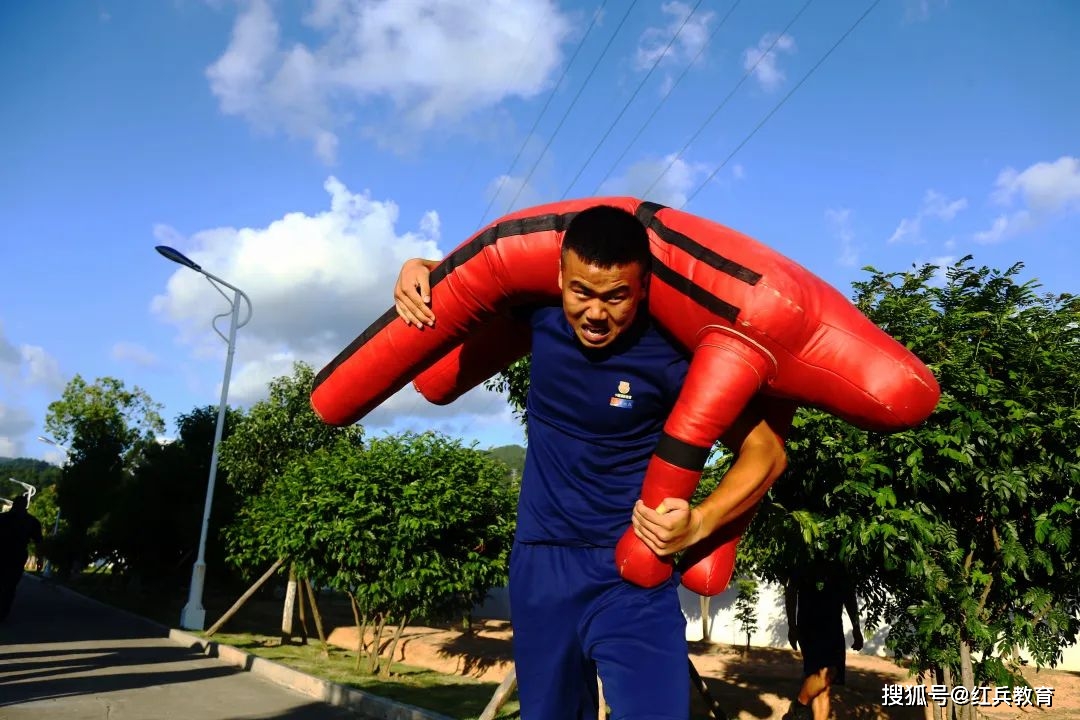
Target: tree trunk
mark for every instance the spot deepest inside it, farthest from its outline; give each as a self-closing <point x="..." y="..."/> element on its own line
<point x="301" y="610"/>
<point x="929" y="709"/>
<point x="705" y="619"/>
<point x="288" y="612"/>
<point x="393" y="647"/>
<point x="376" y="645"/>
<point x="948" y="709"/>
<point x="245" y="597"/>
<point x="361" y="628"/>
<point x="967" y="678"/>
<point x="318" y="618"/>
<point x="502" y="694"/>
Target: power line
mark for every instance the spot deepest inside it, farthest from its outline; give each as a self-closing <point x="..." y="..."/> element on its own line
<point x="724" y="102"/>
<point x="631" y="100"/>
<point x="526" y="53"/>
<point x="663" y="99"/>
<point x="782" y="101"/>
<point x="573" y="102"/>
<point x="543" y="110"/>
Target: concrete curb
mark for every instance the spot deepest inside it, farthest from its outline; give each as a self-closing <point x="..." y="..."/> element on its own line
<point x="373" y="706"/>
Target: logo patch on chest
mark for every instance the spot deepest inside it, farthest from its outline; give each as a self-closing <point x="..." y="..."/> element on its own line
<point x="622" y="397"/>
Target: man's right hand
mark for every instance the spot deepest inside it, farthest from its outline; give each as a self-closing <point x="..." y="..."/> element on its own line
<point x="412" y="293"/>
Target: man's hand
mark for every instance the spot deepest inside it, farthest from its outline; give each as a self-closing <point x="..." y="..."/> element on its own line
<point x="856" y="640"/>
<point x="672" y="527"/>
<point x="412" y="293"/>
<point x="793" y="638"/>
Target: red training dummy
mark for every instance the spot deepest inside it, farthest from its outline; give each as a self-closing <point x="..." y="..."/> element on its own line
<point x="756" y="323"/>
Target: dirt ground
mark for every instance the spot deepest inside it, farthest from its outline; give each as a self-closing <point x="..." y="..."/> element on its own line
<point x="748" y="686"/>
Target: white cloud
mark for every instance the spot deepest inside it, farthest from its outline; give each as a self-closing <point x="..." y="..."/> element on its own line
<point x="1045" y="190"/>
<point x="839" y="221"/>
<point x="1046" y="187"/>
<point x="134" y="353"/>
<point x="14" y="423"/>
<point x="28" y="365"/>
<point x="10" y="357"/>
<point x="436" y="61"/>
<point x="315" y="283"/>
<point x="1004" y="226"/>
<point x="41" y="368"/>
<point x="763" y="60"/>
<point x="22" y="368"/>
<point x="934" y="205"/>
<point x="54" y="457"/>
<point x="508" y="193"/>
<point x="942" y="263"/>
<point x="738" y="171"/>
<point x="680" y="178"/>
<point x="920" y="10"/>
<point x="654" y="43"/>
<point x="9" y="447"/>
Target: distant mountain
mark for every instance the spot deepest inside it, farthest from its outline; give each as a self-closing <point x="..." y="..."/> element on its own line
<point x="513" y="456"/>
<point x="38" y="473"/>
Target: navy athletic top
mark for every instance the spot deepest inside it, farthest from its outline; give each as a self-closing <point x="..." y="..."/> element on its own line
<point x="594" y="419"/>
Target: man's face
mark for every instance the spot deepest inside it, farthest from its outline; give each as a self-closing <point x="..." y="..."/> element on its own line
<point x="600" y="303"/>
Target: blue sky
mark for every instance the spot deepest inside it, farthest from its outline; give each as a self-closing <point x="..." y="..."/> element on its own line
<point x="303" y="150"/>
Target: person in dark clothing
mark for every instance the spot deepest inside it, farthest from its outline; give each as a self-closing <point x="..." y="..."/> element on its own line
<point x="17" y="529"/>
<point x="604" y="379"/>
<point x="815" y="600"/>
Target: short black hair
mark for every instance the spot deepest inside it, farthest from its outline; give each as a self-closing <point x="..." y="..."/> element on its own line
<point x="607" y="237"/>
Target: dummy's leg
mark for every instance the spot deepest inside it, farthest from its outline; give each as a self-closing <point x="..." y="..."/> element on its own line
<point x="726" y="372"/>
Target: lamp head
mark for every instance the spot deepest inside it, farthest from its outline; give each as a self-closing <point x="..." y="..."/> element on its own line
<point x="177" y="257"/>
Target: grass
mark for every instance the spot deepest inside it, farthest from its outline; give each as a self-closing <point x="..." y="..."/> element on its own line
<point x="450" y="695"/>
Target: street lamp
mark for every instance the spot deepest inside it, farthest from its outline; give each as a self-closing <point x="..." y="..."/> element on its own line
<point x="193" y="616"/>
<point x="47" y="570"/>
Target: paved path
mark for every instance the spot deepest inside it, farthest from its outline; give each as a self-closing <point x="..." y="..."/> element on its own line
<point x="63" y="657"/>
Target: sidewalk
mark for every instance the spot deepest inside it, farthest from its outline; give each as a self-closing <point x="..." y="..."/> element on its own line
<point x="67" y="657"/>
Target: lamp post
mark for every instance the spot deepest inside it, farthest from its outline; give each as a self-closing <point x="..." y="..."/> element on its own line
<point x="193" y="616"/>
<point x="47" y="570"/>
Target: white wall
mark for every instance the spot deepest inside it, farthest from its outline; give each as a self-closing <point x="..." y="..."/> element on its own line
<point x="724" y="628"/>
<point x="772" y="627"/>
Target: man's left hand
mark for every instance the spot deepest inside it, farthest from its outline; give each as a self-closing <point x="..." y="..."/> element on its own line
<point x="672" y="527"/>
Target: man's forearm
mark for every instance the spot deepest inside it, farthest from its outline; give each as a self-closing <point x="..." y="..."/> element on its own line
<point x="756" y="468"/>
<point x="852" y="605"/>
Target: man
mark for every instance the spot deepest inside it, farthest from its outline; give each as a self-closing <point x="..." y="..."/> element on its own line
<point x="604" y="379"/>
<point x="17" y="528"/>
<point x="815" y="600"/>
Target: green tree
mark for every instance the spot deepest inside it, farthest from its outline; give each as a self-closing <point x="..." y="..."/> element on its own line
<point x="107" y="428"/>
<point x="275" y="432"/>
<point x="411" y="526"/>
<point x="746" y="606"/>
<point x="157" y="518"/>
<point x="961" y="530"/>
<point x="514" y="381"/>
